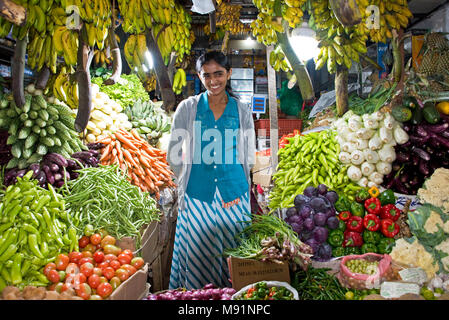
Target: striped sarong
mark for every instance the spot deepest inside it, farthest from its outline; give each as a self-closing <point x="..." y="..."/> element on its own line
<point x="203" y="231"/>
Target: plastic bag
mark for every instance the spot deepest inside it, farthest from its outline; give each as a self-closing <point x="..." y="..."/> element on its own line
<point x="202" y="6"/>
<point x="361" y="281"/>
<point x="269" y="284"/>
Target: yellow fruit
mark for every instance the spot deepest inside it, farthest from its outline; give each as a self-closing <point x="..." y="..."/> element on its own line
<point x="443" y="107"/>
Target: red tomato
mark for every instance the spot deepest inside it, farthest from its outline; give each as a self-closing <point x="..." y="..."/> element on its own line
<point x="98" y="271"/>
<point x="49" y="266"/>
<point x="66" y="286"/>
<point x="52" y="287"/>
<point x="107" y="240"/>
<point x="128" y="252"/>
<point x="115" y="264"/>
<point x="87" y="254"/>
<point x="124" y="258"/>
<point x="84" y="260"/>
<point x="131" y="270"/>
<point x="122" y="274"/>
<point x="103" y="265"/>
<point x="108" y="272"/>
<point x="104" y="290"/>
<point x="99" y="256"/>
<point x="90" y="247"/>
<point x="53" y="276"/>
<point x="84" y="291"/>
<point x="62" y="261"/>
<point x="93" y="281"/>
<point x="75" y="256"/>
<point x="72" y="268"/>
<point x="95" y="297"/>
<point x="87" y="269"/>
<point x="98" y="247"/>
<point x="62" y="275"/>
<point x="78" y="280"/>
<point x="84" y="241"/>
<point x="115" y="282"/>
<point x="95" y="239"/>
<point x="110" y="257"/>
<point x="137" y="262"/>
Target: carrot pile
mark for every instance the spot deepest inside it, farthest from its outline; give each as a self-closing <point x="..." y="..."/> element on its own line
<point x="145" y="165"/>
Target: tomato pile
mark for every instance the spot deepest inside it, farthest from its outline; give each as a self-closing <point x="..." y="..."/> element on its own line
<point x="96" y="271"/>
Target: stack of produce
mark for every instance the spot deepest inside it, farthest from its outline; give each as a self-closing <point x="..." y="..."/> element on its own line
<point x="5" y="150"/>
<point x="269" y="238"/>
<point x="367" y="145"/>
<point x="312" y="217"/>
<point x="426" y="150"/>
<point x="35" y="229"/>
<point x="102" y="197"/>
<point x="262" y="291"/>
<point x="228" y="17"/>
<point x="126" y="91"/>
<point x="149" y="120"/>
<point x="145" y="166"/>
<point x="38" y="128"/>
<point x="105" y="118"/>
<point x="309" y="160"/>
<point x="54" y="169"/>
<point x="208" y="292"/>
<point x="368" y="224"/>
<point x="96" y="271"/>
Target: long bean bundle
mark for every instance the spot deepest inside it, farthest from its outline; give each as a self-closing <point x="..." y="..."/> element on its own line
<point x="105" y="199"/>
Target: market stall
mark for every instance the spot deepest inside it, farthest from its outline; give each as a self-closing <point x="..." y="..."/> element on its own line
<point x="350" y="202"/>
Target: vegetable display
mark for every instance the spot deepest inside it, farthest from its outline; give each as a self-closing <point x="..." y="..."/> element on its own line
<point x="34" y="229"/>
<point x="149" y="120"/>
<point x="106" y="117"/>
<point x="314" y="219"/>
<point x="102" y="197"/>
<point x="208" y="292"/>
<point x="269" y="238"/>
<point x="309" y="160"/>
<point x="54" y="169"/>
<point x="145" y="166"/>
<point x="126" y="91"/>
<point x="96" y="275"/>
<point x="367" y="145"/>
<point x="261" y="291"/>
<point x="38" y="128"/>
<point x="417" y="159"/>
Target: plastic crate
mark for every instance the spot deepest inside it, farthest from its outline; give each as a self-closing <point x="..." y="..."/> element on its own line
<point x="285" y="126"/>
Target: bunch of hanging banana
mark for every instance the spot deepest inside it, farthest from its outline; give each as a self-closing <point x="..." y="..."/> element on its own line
<point x="387" y="15"/>
<point x="264" y="29"/>
<point x="292" y="12"/>
<point x="64" y="89"/>
<point x="278" y="60"/>
<point x="150" y="82"/>
<point x="179" y="81"/>
<point x="135" y="50"/>
<point x="101" y="57"/>
<point x="228" y="17"/>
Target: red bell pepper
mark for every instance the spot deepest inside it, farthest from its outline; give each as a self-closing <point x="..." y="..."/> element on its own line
<point x="355" y="224"/>
<point x="352" y="239"/>
<point x="344" y="215"/>
<point x="389" y="228"/>
<point x="390" y="211"/>
<point x="371" y="222"/>
<point x="372" y="205"/>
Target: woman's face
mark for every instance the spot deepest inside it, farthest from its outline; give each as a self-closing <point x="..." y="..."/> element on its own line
<point x="214" y="77"/>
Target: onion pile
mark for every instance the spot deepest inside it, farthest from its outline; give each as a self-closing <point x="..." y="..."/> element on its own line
<point x="208" y="292"/>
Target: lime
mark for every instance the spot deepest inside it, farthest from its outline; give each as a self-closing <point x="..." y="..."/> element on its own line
<point x="349" y="295"/>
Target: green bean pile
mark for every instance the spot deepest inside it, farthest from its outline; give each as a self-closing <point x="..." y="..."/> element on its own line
<point x="318" y="284"/>
<point x="104" y="198"/>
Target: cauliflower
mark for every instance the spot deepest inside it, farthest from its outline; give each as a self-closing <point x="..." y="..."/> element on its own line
<point x="414" y="254"/>
<point x="432" y="222"/>
<point x="444" y="247"/>
<point x="436" y="190"/>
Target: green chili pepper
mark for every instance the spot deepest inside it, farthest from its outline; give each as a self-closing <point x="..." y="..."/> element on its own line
<point x="16" y="275"/>
<point x="8" y="252"/>
<point x="7" y="241"/>
<point x="32" y="243"/>
<point x="37" y="207"/>
<point x="2" y="284"/>
<point x="25" y="267"/>
<point x="352" y="250"/>
<point x="5" y="274"/>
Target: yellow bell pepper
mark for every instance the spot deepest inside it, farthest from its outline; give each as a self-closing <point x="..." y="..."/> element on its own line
<point x="443" y="107"/>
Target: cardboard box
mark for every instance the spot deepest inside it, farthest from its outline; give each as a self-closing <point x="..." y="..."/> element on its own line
<point x="262" y="171"/>
<point x="150" y="236"/>
<point x="135" y="288"/>
<point x="246" y="271"/>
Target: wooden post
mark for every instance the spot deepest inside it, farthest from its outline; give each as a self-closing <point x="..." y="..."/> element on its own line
<point x="18" y="68"/>
<point x="13" y="12"/>
<point x="272" y="101"/>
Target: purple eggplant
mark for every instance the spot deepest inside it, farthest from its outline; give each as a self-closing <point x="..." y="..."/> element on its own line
<point x="400" y="186"/>
<point x="41" y="178"/>
<point x="424" y="167"/>
<point x="21" y="173"/>
<point x="415" y="160"/>
<point x="436" y="128"/>
<point x="406" y="145"/>
<point x="417" y="140"/>
<point x="55" y="158"/>
<point x="54" y="167"/>
<point x="59" y="183"/>
<point x="94" y="153"/>
<point x="407" y="127"/>
<point x="48" y="174"/>
<point x="95" y="146"/>
<point x="82" y="155"/>
<point x="11" y="174"/>
<point x="58" y="176"/>
<point x="402" y="157"/>
<point x="420" y="131"/>
<point x="73" y="175"/>
<point x="414" y="181"/>
<point x="71" y="164"/>
<point x="445" y="134"/>
<point x="36" y="169"/>
<point x="403" y="177"/>
<point x="421" y="153"/>
<point x="444" y="142"/>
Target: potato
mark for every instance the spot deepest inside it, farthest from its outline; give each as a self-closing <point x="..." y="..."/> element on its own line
<point x="10" y="289"/>
<point x="52" y="295"/>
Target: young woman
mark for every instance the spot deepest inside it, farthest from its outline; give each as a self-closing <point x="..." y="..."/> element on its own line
<point x="211" y="151"/>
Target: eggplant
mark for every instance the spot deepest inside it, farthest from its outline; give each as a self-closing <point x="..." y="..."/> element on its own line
<point x="71" y="164"/>
<point x="403" y="177"/>
<point x="55" y="158"/>
<point x="73" y="175"/>
<point x="445" y="134"/>
<point x="82" y="155"/>
<point x="415" y="160"/>
<point x="414" y="182"/>
<point x="21" y="173"/>
<point x="41" y="178"/>
<point x="402" y="156"/>
<point x="406" y="145"/>
<point x="444" y="142"/>
<point x="59" y="184"/>
<point x="36" y="169"/>
<point x="95" y="146"/>
<point x="48" y="174"/>
<point x="417" y="140"/>
<point x="420" y="131"/>
<point x="11" y="174"/>
<point x="433" y="165"/>
<point x="424" y="167"/>
<point x="407" y="127"/>
<point x="421" y="153"/>
<point x="58" y="176"/>
<point x="396" y="167"/>
<point x="54" y="167"/>
<point x="400" y="186"/>
<point x="436" y="128"/>
<point x="94" y="153"/>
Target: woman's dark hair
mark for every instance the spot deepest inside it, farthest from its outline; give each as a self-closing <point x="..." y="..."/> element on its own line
<point x="219" y="58"/>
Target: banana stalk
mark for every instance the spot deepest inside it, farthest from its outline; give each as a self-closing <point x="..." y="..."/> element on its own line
<point x="116" y="58"/>
<point x="42" y="78"/>
<point x="299" y="69"/>
<point x="168" y="96"/>
<point x="13" y="12"/>
<point x="341" y="89"/>
<point x="346" y="11"/>
<point x="18" y="69"/>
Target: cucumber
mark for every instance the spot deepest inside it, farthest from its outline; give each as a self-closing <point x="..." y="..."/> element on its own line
<point x="24" y="132"/>
<point x="31" y="140"/>
<point x="43" y="114"/>
<point x="48" y="141"/>
<point x="16" y="150"/>
<point x="43" y="133"/>
<point x="26" y="153"/>
<point x="51" y="130"/>
<point x="35" y="157"/>
<point x="33" y="115"/>
<point x="42" y="150"/>
<point x="28" y="123"/>
<point x="417" y="116"/>
<point x="13" y="163"/>
<point x="22" y="163"/>
<point x="430" y="113"/>
<point x="41" y="123"/>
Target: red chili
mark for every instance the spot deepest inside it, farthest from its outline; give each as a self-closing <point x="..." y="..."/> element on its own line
<point x="371" y="222"/>
<point x="344" y="215"/>
<point x="390" y="211"/>
<point x="372" y="205"/>
<point x="389" y="228"/>
<point x="355" y="224"/>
